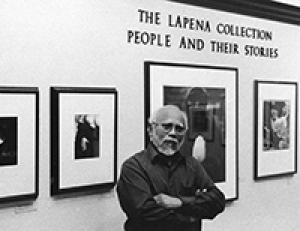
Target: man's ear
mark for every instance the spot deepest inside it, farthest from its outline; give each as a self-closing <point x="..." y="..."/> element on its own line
<point x="149" y="131"/>
<point x="149" y="128"/>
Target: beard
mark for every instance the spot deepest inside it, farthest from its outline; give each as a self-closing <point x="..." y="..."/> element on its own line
<point x="167" y="146"/>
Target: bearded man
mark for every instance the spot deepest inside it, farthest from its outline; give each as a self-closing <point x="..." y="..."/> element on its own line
<point x="159" y="188"/>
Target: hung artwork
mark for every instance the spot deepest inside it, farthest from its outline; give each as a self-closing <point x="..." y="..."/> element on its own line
<point x="19" y="129"/>
<point x="83" y="139"/>
<point x="205" y="94"/>
<point x="276" y="128"/>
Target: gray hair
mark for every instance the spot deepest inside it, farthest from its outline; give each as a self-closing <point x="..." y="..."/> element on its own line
<point x="165" y="109"/>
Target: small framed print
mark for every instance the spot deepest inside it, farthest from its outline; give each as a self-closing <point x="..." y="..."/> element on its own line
<point x="209" y="97"/>
<point x="19" y="128"/>
<point x="276" y="128"/>
<point x="83" y="139"/>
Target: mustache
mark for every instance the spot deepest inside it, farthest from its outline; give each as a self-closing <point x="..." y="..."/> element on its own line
<point x="170" y="139"/>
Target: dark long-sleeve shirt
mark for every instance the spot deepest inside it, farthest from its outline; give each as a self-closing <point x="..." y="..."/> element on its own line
<point x="149" y="173"/>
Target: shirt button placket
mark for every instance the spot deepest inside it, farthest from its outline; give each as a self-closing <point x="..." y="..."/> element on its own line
<point x="171" y="182"/>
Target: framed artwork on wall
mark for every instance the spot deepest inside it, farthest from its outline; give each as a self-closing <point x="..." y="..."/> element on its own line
<point x="83" y="139"/>
<point x="275" y="128"/>
<point x="209" y="97"/>
<point x="19" y="130"/>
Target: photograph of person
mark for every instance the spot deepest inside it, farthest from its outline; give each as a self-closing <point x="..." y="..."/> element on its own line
<point x="87" y="136"/>
<point x="276" y="125"/>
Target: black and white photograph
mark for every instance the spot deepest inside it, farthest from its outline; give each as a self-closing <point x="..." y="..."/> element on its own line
<point x="205" y="108"/>
<point x="83" y="139"/>
<point x="8" y="141"/>
<point x="138" y="115"/>
<point x="276" y="125"/>
<point x="275" y="128"/>
<point x="205" y="94"/>
<point x="19" y="144"/>
<point x="87" y="136"/>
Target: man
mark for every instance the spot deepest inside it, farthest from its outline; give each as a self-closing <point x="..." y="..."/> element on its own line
<point x="279" y="125"/>
<point x="161" y="190"/>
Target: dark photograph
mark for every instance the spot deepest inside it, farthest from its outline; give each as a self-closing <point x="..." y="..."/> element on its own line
<point x="205" y="109"/>
<point x="87" y="136"/>
<point x="8" y="141"/>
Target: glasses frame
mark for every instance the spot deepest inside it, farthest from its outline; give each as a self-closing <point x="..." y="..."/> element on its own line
<point x="174" y="126"/>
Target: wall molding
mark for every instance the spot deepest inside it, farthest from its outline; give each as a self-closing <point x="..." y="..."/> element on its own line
<point x="265" y="9"/>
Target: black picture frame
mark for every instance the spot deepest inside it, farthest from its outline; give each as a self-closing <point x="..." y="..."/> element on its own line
<point x="85" y="119"/>
<point x="212" y="91"/>
<point x="275" y="138"/>
<point x="19" y="148"/>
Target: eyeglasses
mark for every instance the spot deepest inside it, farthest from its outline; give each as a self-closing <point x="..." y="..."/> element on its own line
<point x="167" y="127"/>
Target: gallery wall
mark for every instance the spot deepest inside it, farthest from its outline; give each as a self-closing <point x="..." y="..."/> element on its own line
<point x="91" y="44"/>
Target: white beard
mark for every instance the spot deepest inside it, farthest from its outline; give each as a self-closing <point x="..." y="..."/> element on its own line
<point x="166" y="151"/>
<point x="165" y="147"/>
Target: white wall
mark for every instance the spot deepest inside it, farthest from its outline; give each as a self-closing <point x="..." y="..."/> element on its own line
<point x="289" y="2"/>
<point x="84" y="43"/>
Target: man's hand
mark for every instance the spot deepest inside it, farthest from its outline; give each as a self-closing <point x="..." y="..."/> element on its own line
<point x="84" y="143"/>
<point x="167" y="201"/>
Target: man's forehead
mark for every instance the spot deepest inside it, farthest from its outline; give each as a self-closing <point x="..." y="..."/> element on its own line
<point x="170" y="114"/>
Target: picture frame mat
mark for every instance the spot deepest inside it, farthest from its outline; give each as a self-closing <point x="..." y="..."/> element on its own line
<point x="22" y="106"/>
<point x="185" y="76"/>
<point x="90" y="103"/>
<point x="285" y="159"/>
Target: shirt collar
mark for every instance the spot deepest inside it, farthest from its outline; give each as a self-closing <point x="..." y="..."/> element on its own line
<point x="154" y="154"/>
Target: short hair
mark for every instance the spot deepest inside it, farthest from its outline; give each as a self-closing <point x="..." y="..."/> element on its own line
<point x="164" y="109"/>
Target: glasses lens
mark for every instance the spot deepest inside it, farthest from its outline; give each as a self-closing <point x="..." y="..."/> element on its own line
<point x="179" y="129"/>
<point x="169" y="126"/>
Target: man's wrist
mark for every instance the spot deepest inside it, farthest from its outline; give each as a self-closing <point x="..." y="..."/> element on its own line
<point x="178" y="202"/>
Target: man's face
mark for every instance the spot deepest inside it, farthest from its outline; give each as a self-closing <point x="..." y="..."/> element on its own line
<point x="168" y="132"/>
<point x="274" y="113"/>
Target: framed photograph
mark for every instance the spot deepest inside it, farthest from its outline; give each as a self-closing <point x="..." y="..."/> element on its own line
<point x="83" y="139"/>
<point x="276" y="128"/>
<point x="209" y="96"/>
<point x="19" y="116"/>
